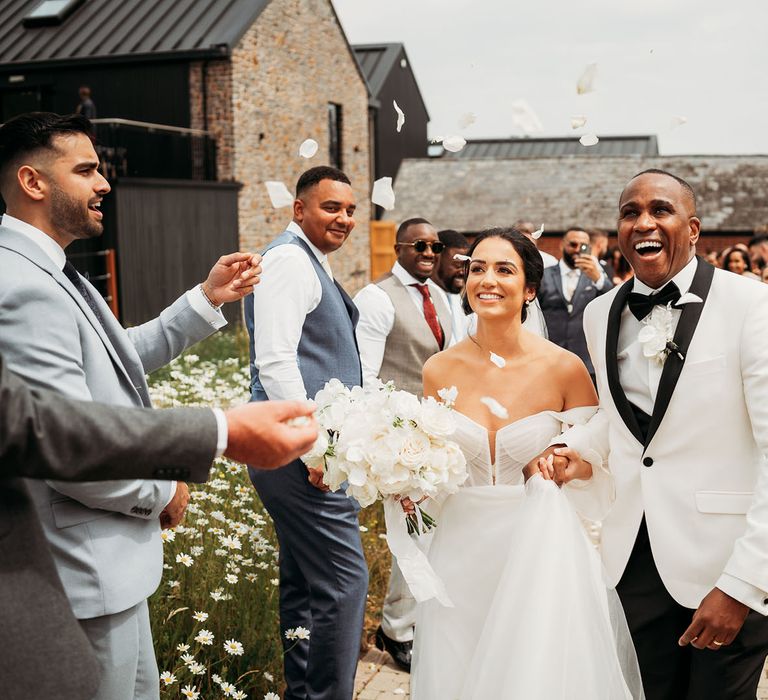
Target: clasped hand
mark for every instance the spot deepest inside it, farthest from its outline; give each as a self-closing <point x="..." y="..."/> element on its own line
<point x="232" y="277"/>
<point x="560" y="464"/>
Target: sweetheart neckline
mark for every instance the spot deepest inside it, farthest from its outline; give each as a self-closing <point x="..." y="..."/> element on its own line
<point x="518" y="421"/>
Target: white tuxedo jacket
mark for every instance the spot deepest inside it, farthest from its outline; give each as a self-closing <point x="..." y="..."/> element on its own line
<point x="104" y="536"/>
<point x="701" y="475"/>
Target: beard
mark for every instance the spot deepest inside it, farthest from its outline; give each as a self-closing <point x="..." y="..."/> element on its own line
<point x="456" y="284"/>
<point x="71" y="217"/>
<point x="569" y="259"/>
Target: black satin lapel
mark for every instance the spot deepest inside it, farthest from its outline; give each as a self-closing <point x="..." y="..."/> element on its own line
<point x="686" y="327"/>
<point x="354" y="314"/>
<point x="612" y="364"/>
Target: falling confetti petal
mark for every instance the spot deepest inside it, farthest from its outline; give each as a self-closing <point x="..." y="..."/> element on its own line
<point x="588" y="140"/>
<point x="308" y="148"/>
<point x="279" y="194"/>
<point x="448" y="395"/>
<point x="498" y="360"/>
<point x="462" y="257"/>
<point x="437" y="139"/>
<point x="524" y="118"/>
<point x="467" y="119"/>
<point x="678" y="121"/>
<point x="382" y="194"/>
<point x="398" y="691"/>
<point x="400" y="116"/>
<point x="577" y="121"/>
<point x="495" y="407"/>
<point x="587" y="80"/>
<point x="454" y="143"/>
<point x="537" y="233"/>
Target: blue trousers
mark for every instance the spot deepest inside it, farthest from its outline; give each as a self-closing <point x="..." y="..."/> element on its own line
<point x="323" y="581"/>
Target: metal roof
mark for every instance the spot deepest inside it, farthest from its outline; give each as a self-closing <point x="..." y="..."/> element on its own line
<point x="470" y="195"/>
<point x="126" y="29"/>
<point x="555" y="147"/>
<point x="377" y="62"/>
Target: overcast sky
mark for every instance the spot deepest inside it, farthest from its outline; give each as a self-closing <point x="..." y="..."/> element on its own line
<point x="704" y="60"/>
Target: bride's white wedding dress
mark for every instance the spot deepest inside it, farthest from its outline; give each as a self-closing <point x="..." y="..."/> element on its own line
<point x="532" y="618"/>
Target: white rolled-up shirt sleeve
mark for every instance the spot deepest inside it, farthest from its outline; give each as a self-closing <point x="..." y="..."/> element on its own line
<point x="288" y="291"/>
<point x="377" y="316"/>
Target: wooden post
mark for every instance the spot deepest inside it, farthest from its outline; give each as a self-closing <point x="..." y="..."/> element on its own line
<point x="111" y="281"/>
<point x="383" y="254"/>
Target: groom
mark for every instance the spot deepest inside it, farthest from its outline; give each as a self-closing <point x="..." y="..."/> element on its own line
<point x="302" y="330"/>
<point x="686" y="424"/>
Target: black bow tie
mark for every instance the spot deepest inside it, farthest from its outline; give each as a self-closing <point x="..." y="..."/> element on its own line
<point x="642" y="304"/>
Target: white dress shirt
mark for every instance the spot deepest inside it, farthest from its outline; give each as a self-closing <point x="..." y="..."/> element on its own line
<point x="195" y="298"/>
<point x="574" y="273"/>
<point x="377" y="317"/>
<point x="289" y="290"/>
<point x="547" y="259"/>
<point x="459" y="320"/>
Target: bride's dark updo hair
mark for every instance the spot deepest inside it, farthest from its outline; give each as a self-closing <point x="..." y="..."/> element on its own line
<point x="533" y="266"/>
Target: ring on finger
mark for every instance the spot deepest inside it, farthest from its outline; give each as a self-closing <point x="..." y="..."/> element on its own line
<point x="717" y="644"/>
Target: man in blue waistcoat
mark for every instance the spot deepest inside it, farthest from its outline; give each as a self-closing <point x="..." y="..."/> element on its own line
<point x="302" y="330"/>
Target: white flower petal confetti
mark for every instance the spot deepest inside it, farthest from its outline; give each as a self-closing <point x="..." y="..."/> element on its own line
<point x="678" y="120"/>
<point x="537" y="233"/>
<point x="398" y="691"/>
<point x="279" y="194"/>
<point x="689" y="298"/>
<point x="467" y="119"/>
<point x="454" y="143"/>
<point x="495" y="407"/>
<point x="400" y="116"/>
<point x="588" y="140"/>
<point x="586" y="82"/>
<point x="308" y="148"/>
<point x="462" y="257"/>
<point x="525" y="119"/>
<point x="577" y="121"/>
<point x="448" y="394"/>
<point x="383" y="194"/>
<point x="498" y="360"/>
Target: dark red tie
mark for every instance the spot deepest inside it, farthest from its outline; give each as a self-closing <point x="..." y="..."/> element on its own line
<point x="430" y="314"/>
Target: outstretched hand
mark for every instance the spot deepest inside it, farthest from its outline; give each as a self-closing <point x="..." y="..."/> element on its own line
<point x="232" y="277"/>
<point x="560" y="464"/>
<point x="716" y="622"/>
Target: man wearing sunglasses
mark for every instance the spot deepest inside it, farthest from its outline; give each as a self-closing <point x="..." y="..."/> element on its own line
<point x="405" y="318"/>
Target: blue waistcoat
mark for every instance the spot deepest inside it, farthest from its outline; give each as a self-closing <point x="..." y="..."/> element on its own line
<point x="328" y="347"/>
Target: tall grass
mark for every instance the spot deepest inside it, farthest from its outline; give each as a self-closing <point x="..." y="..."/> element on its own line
<point x="229" y="538"/>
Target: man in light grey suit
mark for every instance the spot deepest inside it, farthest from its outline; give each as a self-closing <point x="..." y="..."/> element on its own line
<point x="44" y="435"/>
<point x="58" y="333"/>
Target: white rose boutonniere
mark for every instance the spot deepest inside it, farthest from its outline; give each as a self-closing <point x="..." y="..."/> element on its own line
<point x="657" y="334"/>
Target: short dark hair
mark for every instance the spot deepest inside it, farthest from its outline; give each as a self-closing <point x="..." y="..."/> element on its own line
<point x="576" y="228"/>
<point x="35" y="131"/>
<point x="533" y="265"/>
<point x="453" y="239"/>
<point x="758" y="239"/>
<point x="686" y="187"/>
<point x="597" y="233"/>
<point x="402" y="228"/>
<point x="310" y="178"/>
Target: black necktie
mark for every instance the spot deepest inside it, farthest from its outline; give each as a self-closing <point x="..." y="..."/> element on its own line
<point x="642" y="304"/>
<point x="74" y="277"/>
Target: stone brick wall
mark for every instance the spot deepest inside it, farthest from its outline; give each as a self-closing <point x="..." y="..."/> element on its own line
<point x="270" y="96"/>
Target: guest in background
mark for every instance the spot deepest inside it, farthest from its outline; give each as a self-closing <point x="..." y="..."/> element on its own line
<point x="527" y="228"/>
<point x="621" y="268"/>
<point x="405" y="318"/>
<point x="566" y="290"/>
<point x="737" y="261"/>
<point x="598" y="239"/>
<point x="86" y="107"/>
<point x="449" y="276"/>
<point x="758" y="250"/>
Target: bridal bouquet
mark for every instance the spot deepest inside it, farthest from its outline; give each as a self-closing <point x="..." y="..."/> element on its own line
<point x="387" y="444"/>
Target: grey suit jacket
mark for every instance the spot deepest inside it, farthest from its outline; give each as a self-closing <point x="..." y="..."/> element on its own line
<point x="44" y="435"/>
<point x="104" y="537"/>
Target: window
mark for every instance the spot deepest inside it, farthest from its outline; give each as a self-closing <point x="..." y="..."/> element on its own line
<point x="51" y="12"/>
<point x="334" y="135"/>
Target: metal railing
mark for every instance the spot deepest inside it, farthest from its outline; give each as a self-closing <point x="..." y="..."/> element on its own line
<point x="129" y="148"/>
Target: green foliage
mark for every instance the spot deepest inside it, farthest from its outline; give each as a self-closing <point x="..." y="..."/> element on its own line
<point x="215" y="372"/>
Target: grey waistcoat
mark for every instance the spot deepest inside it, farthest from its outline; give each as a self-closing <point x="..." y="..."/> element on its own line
<point x="327" y="348"/>
<point x="411" y="342"/>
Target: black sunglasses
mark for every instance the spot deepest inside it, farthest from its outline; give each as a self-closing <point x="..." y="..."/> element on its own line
<point x="420" y="246"/>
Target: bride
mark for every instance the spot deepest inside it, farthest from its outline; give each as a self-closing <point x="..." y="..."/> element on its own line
<point x="532" y="619"/>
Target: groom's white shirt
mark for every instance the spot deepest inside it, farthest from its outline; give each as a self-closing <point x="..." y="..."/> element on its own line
<point x="705" y="492"/>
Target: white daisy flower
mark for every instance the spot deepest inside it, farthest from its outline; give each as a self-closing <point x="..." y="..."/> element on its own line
<point x="230" y="578"/>
<point x="204" y="637"/>
<point x="200" y="616"/>
<point x="233" y="647"/>
<point x="167" y="535"/>
<point x="167" y="678"/>
<point x="189" y="692"/>
<point x="182" y="647"/>
<point x="185" y="559"/>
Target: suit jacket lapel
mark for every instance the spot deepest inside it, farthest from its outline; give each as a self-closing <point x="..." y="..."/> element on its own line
<point x="686" y="327"/>
<point x="557" y="280"/>
<point x="612" y="364"/>
<point x="354" y="314"/>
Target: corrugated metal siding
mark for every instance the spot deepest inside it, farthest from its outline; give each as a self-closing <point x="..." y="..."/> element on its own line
<point x="556" y="147"/>
<point x="112" y="28"/>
